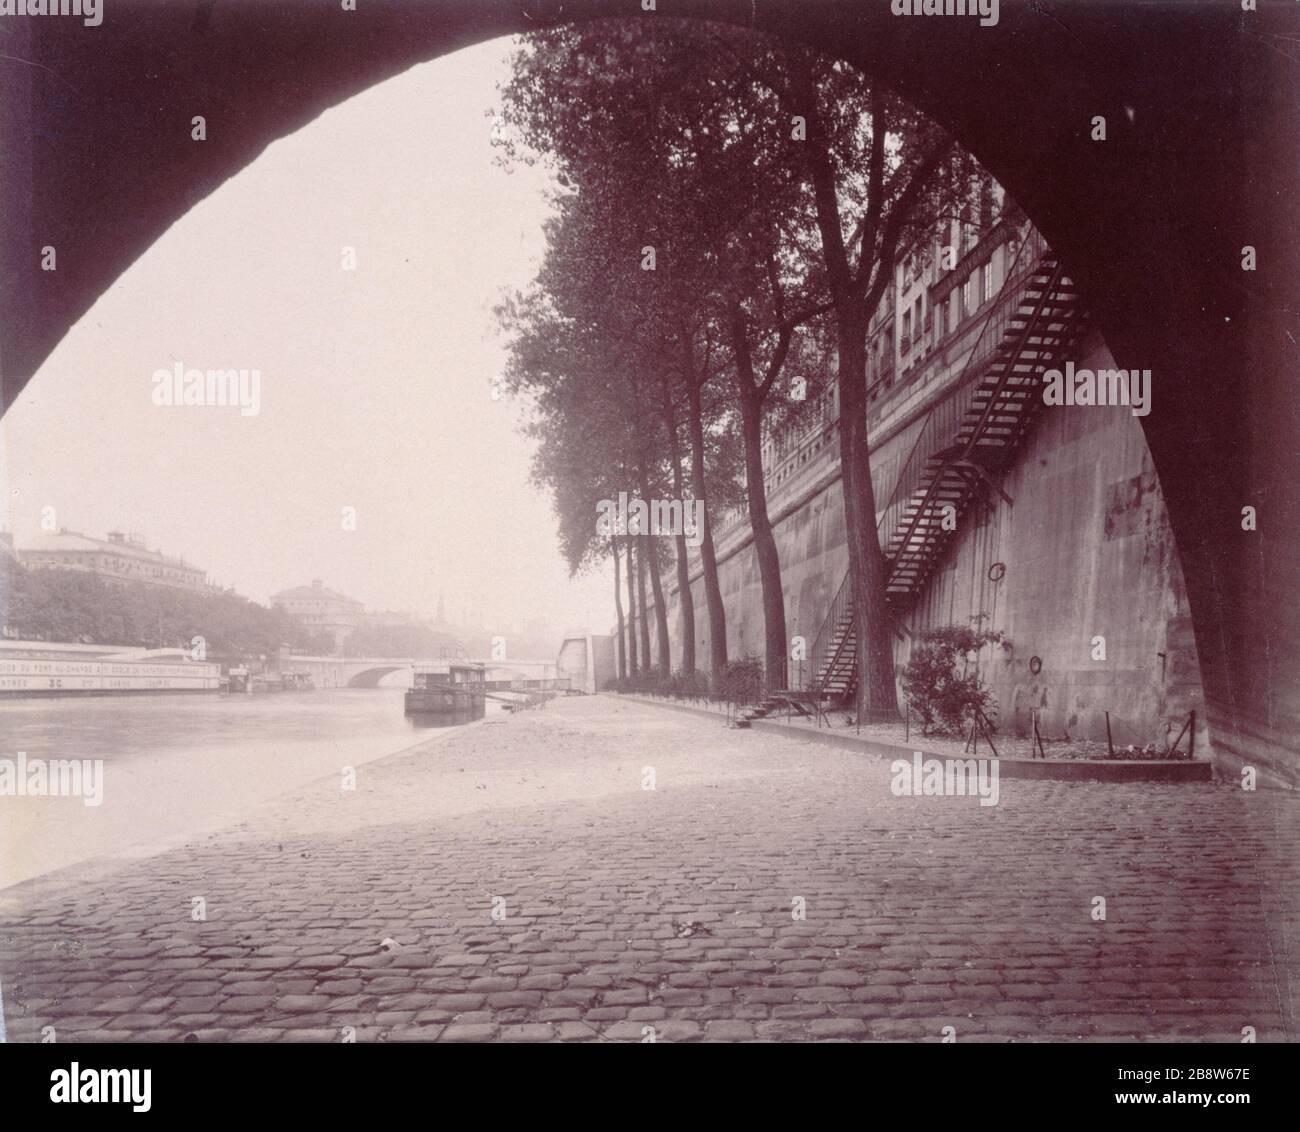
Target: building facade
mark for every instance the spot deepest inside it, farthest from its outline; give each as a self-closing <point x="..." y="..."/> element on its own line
<point x="119" y="558"/>
<point x="322" y="609"/>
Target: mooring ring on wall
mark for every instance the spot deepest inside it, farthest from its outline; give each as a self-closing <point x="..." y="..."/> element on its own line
<point x="997" y="571"/>
<point x="1035" y="664"/>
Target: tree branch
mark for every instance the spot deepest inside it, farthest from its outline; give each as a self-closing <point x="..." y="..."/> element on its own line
<point x="899" y="214"/>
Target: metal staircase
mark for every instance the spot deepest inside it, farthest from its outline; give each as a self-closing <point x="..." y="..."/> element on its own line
<point x="968" y="439"/>
<point x="834" y="657"/>
<point x="972" y="435"/>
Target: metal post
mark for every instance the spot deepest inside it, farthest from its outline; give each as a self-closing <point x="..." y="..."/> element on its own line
<point x="1191" y="736"/>
<point x="1110" y="749"/>
<point x="988" y="731"/>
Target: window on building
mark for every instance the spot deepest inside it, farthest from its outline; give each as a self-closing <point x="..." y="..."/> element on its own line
<point x="988" y="280"/>
<point x="968" y="294"/>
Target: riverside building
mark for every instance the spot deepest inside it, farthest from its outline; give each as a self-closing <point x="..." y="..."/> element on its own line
<point x="119" y="558"/>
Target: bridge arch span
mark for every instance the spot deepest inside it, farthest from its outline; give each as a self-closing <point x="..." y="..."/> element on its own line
<point x="370" y="677"/>
<point x="1151" y="223"/>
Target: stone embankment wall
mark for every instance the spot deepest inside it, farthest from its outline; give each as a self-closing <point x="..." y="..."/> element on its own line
<point x="1085" y="549"/>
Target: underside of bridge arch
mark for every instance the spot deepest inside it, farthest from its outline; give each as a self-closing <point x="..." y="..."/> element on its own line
<point x="1199" y="161"/>
<point x="370" y="677"/>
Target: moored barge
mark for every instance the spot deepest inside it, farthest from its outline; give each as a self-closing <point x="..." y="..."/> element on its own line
<point x="42" y="669"/>
<point x="447" y="687"/>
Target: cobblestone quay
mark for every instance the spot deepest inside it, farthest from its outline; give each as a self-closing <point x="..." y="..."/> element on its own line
<point x="611" y="871"/>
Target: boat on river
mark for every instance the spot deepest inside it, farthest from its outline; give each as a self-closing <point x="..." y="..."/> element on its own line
<point x="448" y="687"/>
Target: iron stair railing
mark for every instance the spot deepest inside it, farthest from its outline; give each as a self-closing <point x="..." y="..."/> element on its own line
<point x="943" y="419"/>
<point x="832" y="658"/>
<point x="976" y="428"/>
<point x="972" y="431"/>
<point x="946" y="473"/>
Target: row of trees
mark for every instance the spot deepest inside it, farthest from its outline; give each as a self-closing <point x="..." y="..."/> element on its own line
<point x="75" y="606"/>
<point x="728" y="213"/>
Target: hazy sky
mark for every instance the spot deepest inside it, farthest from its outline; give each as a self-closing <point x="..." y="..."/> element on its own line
<point x="375" y="383"/>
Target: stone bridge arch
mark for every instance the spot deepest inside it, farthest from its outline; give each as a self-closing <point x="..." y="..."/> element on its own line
<point x="370" y="677"/>
<point x="1198" y="163"/>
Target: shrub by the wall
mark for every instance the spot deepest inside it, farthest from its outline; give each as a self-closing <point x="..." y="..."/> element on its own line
<point x="939" y="682"/>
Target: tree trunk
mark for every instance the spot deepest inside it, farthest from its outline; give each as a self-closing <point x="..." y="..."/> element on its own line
<point x="877" y="692"/>
<point x="877" y="696"/>
<point x="686" y="606"/>
<point x="618" y="607"/>
<point x="631" y="611"/>
<point x="644" y="622"/>
<point x="663" y="657"/>
<point x="685" y="599"/>
<point x="708" y="556"/>
<point x="769" y="562"/>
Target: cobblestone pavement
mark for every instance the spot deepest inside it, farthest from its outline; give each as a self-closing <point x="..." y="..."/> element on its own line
<point x="670" y="913"/>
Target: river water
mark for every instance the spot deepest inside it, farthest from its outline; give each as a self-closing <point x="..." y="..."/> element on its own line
<point x="176" y="764"/>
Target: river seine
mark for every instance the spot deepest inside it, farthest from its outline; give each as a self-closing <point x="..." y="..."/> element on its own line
<point x="174" y="765"/>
